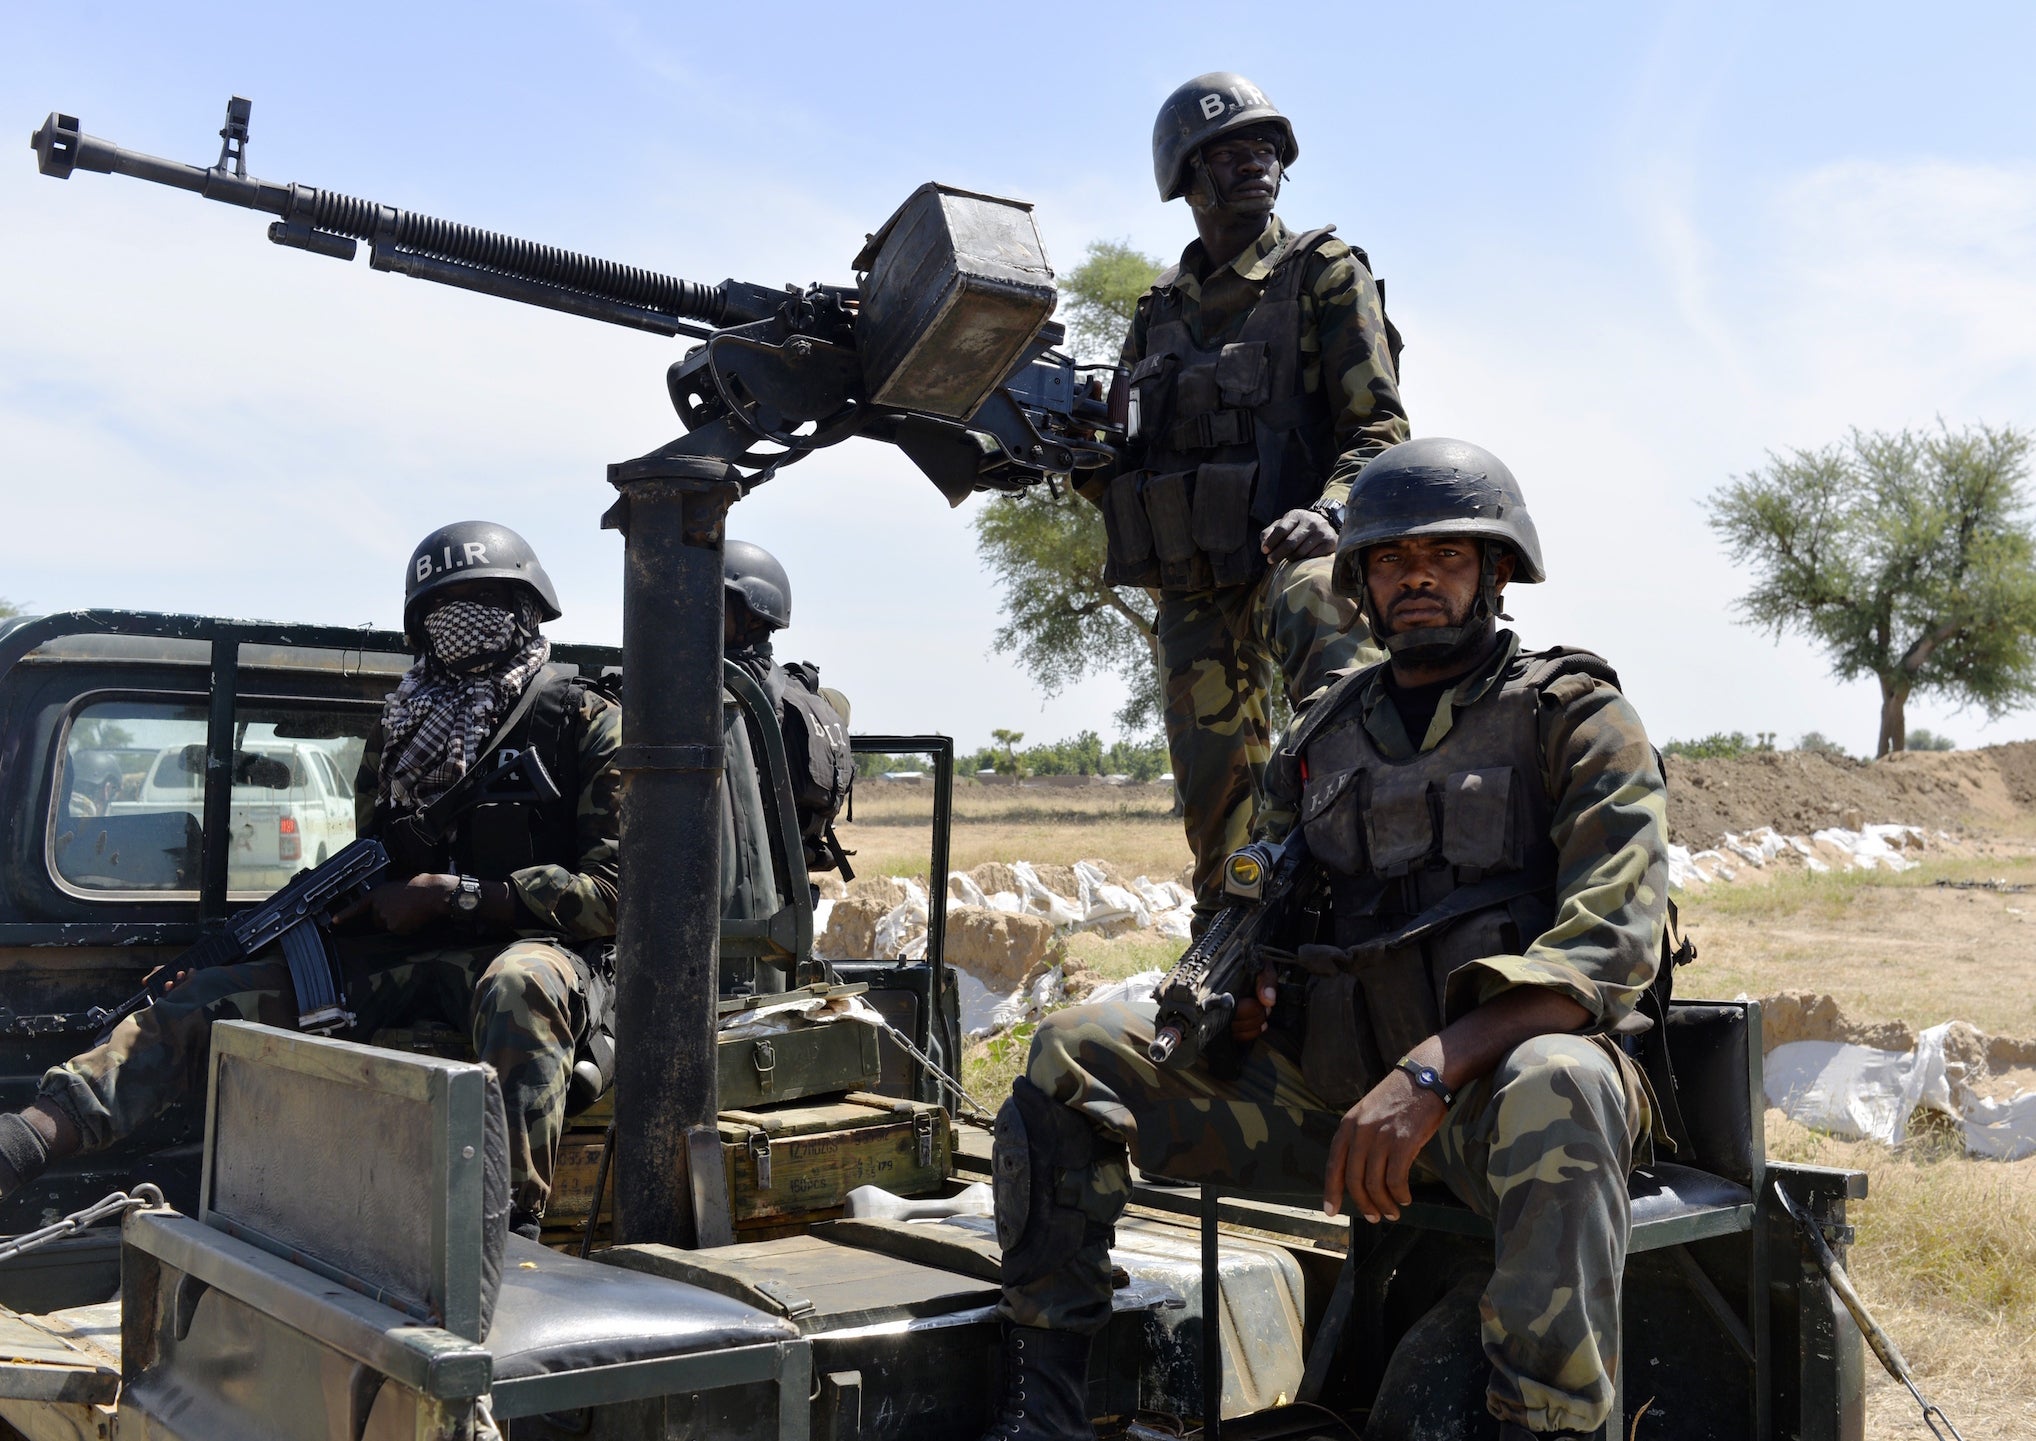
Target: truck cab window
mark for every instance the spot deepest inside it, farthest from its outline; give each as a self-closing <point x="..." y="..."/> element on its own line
<point x="128" y="806"/>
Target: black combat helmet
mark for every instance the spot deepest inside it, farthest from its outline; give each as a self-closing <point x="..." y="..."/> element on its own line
<point x="750" y="574"/>
<point x="1434" y="486"/>
<point x="1199" y="111"/>
<point x="473" y="550"/>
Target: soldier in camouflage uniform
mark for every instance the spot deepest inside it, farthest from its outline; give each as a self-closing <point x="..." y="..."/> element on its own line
<point x="502" y="927"/>
<point x="1497" y="892"/>
<point x="1262" y="376"/>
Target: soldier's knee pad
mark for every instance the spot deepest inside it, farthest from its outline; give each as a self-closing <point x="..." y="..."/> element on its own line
<point x="1042" y="1164"/>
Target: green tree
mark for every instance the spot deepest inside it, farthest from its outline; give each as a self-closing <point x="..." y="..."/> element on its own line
<point x="1907" y="556"/>
<point x="1046" y="549"/>
<point x="8" y="608"/>
<point x="1007" y="763"/>
<point x="1099" y="296"/>
<point x="1045" y="545"/>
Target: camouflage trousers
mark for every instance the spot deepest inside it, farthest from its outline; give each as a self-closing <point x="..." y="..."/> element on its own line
<point x="1540" y="1148"/>
<point x="522" y="1006"/>
<point x="1221" y="652"/>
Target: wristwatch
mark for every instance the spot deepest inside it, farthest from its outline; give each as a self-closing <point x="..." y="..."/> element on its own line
<point x="1332" y="511"/>
<point x="1427" y="1078"/>
<point x="467" y="899"/>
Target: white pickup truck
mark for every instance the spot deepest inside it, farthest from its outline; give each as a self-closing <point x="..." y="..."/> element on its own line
<point x="292" y="806"/>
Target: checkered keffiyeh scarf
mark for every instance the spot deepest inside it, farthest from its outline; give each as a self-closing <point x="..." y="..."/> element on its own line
<point x="437" y="719"/>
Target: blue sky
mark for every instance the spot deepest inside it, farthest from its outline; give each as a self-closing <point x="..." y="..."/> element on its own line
<point x="1633" y="248"/>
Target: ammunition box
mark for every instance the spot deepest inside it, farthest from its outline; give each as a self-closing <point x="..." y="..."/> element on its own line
<point x="785" y="1164"/>
<point x="803" y="1159"/>
<point x="802" y="1061"/>
<point x="957" y="286"/>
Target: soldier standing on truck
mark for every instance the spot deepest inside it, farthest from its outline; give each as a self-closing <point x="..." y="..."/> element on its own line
<point x="503" y="927"/>
<point x="1491" y="826"/>
<point x="1263" y="375"/>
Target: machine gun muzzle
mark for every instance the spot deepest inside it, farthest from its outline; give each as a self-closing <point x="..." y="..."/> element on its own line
<point x="327" y="222"/>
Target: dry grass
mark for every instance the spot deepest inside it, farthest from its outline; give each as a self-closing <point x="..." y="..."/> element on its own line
<point x="1947" y="1244"/>
<point x="1946" y="1261"/>
<point x="1134" y="826"/>
<point x="1887" y="947"/>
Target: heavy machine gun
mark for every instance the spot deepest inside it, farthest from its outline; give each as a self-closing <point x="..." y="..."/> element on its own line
<point x="943" y="347"/>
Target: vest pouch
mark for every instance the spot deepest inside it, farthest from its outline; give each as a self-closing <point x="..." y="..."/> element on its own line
<point x="1149" y="411"/>
<point x="1401" y="1000"/>
<point x="495" y="841"/>
<point x="1244" y="375"/>
<point x="1339" y="1061"/>
<point x="1167" y="500"/>
<point x="1130" y="533"/>
<point x="1222" y="518"/>
<point x="1479" y="832"/>
<point x="1195" y="392"/>
<point x="1399" y="825"/>
<point x="1333" y="821"/>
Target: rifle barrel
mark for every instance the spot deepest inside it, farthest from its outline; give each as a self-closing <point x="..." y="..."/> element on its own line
<point x="424" y="246"/>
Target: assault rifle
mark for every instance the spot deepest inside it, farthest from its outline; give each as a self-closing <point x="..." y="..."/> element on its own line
<point x="297" y="917"/>
<point x="1266" y="883"/>
<point x="943" y="347"/>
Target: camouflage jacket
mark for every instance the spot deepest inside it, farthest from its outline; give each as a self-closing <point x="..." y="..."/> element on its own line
<point x="1608" y="827"/>
<point x="579" y="903"/>
<point x="573" y="900"/>
<point x="1343" y="336"/>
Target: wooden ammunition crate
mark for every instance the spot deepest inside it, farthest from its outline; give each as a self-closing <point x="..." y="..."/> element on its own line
<point x="787" y="1165"/>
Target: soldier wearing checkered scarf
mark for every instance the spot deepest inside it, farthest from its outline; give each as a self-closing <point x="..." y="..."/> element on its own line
<point x="502" y="928"/>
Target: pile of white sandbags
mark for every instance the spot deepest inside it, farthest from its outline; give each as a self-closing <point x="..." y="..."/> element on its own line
<point x="1881" y="847"/>
<point x="1865" y="1093"/>
<point x="1003" y="943"/>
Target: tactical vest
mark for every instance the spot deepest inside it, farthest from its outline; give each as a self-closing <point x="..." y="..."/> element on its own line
<point x="1227" y="441"/>
<point x="1432" y="861"/>
<point x="492" y="842"/>
<point x="818" y="756"/>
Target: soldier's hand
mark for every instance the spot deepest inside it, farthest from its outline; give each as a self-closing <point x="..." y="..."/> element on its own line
<point x="1249" y="1020"/>
<point x="404" y="906"/>
<point x="1298" y="535"/>
<point x="1373" y="1154"/>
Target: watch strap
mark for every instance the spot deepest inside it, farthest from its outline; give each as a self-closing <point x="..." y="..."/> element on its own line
<point x="1427" y="1078"/>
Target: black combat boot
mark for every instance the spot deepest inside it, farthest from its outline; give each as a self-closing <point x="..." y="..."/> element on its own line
<point x="1046" y="1387"/>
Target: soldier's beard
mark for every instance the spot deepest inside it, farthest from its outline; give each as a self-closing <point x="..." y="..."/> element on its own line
<point x="1436" y="647"/>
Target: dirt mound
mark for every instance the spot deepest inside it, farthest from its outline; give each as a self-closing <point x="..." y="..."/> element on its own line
<point x="1995" y="1065"/>
<point x="1798" y="792"/>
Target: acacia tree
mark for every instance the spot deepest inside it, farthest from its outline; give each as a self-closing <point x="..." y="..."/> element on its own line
<point x="1907" y="556"/>
<point x="1045" y="545"/>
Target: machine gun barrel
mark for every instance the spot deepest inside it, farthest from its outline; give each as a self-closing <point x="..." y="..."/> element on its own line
<point x="944" y="348"/>
<point x="424" y="246"/>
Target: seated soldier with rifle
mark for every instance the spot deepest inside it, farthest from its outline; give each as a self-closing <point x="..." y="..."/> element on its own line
<point x="501" y="918"/>
<point x="1487" y="828"/>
